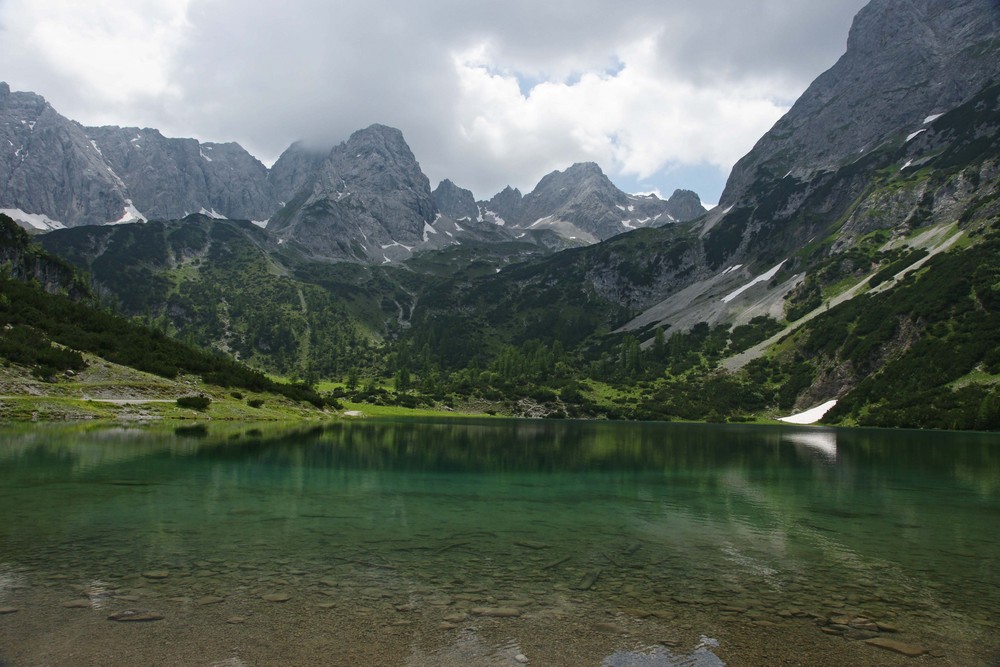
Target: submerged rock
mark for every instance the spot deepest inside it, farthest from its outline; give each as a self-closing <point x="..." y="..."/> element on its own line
<point x="209" y="599"/>
<point x="910" y="650"/>
<point x="133" y="616"/>
<point x="77" y="604"/>
<point x="496" y="612"/>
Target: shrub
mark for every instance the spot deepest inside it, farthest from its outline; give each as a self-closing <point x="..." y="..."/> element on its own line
<point x="200" y="402"/>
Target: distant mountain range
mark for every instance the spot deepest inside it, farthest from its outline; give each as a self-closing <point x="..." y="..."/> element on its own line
<point x="363" y="200"/>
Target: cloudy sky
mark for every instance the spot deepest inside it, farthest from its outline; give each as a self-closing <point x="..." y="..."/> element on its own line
<point x="663" y="94"/>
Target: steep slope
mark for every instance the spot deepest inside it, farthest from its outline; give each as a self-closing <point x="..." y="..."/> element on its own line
<point x="50" y="174"/>
<point x="294" y="170"/>
<point x="57" y="173"/>
<point x="58" y="332"/>
<point x="368" y="195"/>
<point x="785" y="249"/>
<point x="170" y="178"/>
<point x="228" y="285"/>
<point x="22" y="260"/>
<point x="906" y="60"/>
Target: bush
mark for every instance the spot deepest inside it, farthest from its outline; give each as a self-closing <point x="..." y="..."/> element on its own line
<point x="200" y="402"/>
<point x="256" y="402"/>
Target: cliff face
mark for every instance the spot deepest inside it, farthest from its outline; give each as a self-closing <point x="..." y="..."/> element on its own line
<point x="49" y="168"/>
<point x="170" y="178"/>
<point x="56" y="173"/>
<point x="367" y="195"/>
<point x="21" y="260"/>
<point x="906" y="60"/>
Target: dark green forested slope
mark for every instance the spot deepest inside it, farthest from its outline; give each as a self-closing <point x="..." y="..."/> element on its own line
<point x="34" y="316"/>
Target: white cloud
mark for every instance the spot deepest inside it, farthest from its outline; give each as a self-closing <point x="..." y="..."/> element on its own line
<point x="116" y="51"/>
<point x="636" y="121"/>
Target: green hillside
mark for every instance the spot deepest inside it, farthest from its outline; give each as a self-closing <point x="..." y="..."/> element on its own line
<point x="52" y="329"/>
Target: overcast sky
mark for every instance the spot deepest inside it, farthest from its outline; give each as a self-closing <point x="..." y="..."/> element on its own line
<point x="663" y="94"/>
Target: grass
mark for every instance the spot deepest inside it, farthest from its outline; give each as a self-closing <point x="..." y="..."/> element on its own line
<point x="397" y="411"/>
<point x="978" y="376"/>
<point x="138" y="395"/>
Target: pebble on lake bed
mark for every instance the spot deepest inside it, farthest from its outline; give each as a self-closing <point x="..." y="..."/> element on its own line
<point x="496" y="612"/>
<point x="132" y="616"/>
<point x="8" y="610"/>
<point x="911" y="650"/>
<point x="210" y="599"/>
<point x="156" y="574"/>
<point x="276" y="597"/>
<point x="77" y="604"/>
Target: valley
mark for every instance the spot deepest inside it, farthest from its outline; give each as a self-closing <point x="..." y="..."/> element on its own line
<point x="829" y="271"/>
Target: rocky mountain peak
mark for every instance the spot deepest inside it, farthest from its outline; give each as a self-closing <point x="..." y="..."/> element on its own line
<point x="294" y="169"/>
<point x="377" y="156"/>
<point x="569" y="183"/>
<point x="52" y="175"/>
<point x="685" y="205"/>
<point x="368" y="195"/>
<point x="583" y="205"/>
<point x="455" y="202"/>
<point x="504" y="204"/>
<point x="905" y="61"/>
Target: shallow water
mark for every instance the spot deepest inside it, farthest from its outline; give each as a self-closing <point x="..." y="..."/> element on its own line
<point x="498" y="542"/>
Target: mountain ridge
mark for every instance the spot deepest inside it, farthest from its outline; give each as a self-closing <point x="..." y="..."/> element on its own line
<point x="114" y="174"/>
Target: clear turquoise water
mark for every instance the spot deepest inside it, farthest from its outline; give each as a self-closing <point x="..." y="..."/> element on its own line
<point x="603" y="542"/>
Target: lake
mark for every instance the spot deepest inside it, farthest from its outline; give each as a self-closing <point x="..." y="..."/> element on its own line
<point x="497" y="542"/>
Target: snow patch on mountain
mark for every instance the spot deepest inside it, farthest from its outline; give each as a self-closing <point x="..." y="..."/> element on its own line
<point x="215" y="215"/>
<point x="759" y="279"/>
<point x="810" y="416"/>
<point x="428" y="230"/>
<point x="131" y="214"/>
<point x="38" y="221"/>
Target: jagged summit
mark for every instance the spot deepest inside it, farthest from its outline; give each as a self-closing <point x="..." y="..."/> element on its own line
<point x="59" y="173"/>
<point x="53" y="176"/>
<point x="455" y="202"/>
<point x="582" y="205"/>
<point x="368" y="195"/>
<point x="905" y="61"/>
<point x="365" y="199"/>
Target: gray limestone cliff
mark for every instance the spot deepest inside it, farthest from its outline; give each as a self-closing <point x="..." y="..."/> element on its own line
<point x="906" y="60"/>
<point x="169" y="178"/>
<point x="369" y="194"/>
<point x="294" y="170"/>
<point x="48" y="167"/>
<point x="455" y="202"/>
<point x="55" y="172"/>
